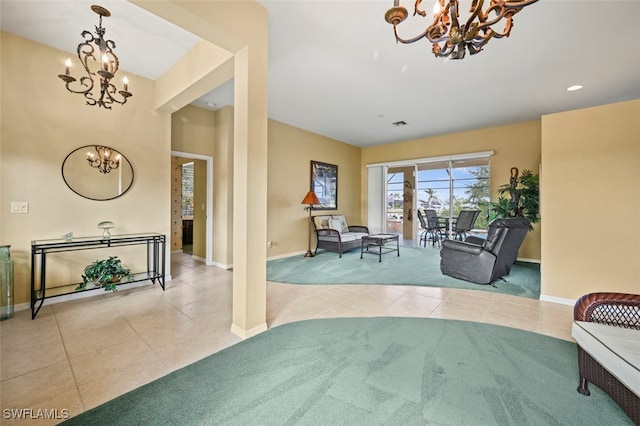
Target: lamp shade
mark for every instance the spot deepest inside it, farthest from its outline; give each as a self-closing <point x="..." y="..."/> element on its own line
<point x="310" y="198"/>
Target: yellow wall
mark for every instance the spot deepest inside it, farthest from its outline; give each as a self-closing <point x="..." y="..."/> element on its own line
<point x="41" y="123"/>
<point x="516" y="145"/>
<point x="590" y="201"/>
<point x="193" y="131"/>
<point x="289" y="166"/>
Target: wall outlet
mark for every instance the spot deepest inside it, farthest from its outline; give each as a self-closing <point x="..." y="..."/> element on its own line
<point x="19" y="207"/>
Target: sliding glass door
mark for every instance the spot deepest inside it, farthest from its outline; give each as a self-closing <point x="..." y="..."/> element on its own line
<point x="447" y="185"/>
<point x="451" y="186"/>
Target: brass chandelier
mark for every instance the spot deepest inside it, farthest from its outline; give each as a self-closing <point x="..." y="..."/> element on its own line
<point x="106" y="67"/>
<point x="107" y="159"/>
<point x="448" y="36"/>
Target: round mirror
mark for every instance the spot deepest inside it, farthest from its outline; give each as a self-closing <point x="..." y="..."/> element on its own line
<point x="97" y="172"/>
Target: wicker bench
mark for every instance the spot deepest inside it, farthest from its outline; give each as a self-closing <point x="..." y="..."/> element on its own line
<point x="607" y="330"/>
<point x="334" y="234"/>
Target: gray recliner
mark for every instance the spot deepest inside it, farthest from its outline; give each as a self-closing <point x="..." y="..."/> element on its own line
<point x="485" y="261"/>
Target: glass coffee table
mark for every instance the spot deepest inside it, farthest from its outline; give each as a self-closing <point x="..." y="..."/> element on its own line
<point x="384" y="242"/>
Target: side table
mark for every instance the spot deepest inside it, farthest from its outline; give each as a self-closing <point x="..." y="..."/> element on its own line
<point x="380" y="241"/>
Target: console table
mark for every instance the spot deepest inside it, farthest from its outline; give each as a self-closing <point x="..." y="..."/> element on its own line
<point x="155" y="245"/>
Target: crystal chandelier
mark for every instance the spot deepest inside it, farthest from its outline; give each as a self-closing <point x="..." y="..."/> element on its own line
<point x="106" y="67"/>
<point x="451" y="38"/>
<point x="107" y="159"/>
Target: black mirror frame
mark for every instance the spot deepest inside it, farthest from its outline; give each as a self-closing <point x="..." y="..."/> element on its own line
<point x="125" y="190"/>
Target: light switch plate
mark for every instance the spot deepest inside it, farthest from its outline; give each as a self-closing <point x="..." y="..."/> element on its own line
<point x="19" y="207"/>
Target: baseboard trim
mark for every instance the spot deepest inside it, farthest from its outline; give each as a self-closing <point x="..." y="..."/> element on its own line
<point x="524" y="259"/>
<point x="221" y="265"/>
<point x="199" y="259"/>
<point x="22" y="307"/>
<point x="245" y="334"/>
<point x="282" y="256"/>
<point x="559" y="300"/>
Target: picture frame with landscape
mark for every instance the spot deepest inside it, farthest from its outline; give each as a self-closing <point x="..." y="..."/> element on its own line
<point x="324" y="182"/>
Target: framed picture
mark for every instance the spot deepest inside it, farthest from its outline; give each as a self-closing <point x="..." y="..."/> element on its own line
<point x="324" y="182"/>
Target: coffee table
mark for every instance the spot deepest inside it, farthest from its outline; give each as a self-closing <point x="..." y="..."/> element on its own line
<point x="380" y="241"/>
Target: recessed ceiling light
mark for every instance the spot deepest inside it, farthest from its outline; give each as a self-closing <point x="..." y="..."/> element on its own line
<point x="210" y="104"/>
<point x="574" y="88"/>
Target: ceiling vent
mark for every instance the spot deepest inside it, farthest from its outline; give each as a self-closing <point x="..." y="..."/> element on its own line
<point x="399" y="123"/>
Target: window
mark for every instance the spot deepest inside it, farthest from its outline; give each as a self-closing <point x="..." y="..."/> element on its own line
<point x="187" y="191"/>
<point x="449" y="187"/>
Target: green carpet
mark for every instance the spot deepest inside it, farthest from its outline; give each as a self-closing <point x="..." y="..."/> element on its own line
<point x="372" y="371"/>
<point x="414" y="266"/>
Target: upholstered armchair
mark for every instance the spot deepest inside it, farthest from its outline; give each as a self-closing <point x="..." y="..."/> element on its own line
<point x="485" y="261"/>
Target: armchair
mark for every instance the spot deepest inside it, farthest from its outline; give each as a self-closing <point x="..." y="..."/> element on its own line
<point x="485" y="261"/>
<point x="606" y="328"/>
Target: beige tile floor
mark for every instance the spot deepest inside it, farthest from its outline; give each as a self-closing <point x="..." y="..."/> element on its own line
<point x="78" y="354"/>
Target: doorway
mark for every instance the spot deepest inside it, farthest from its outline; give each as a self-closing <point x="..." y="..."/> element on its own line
<point x="192" y="205"/>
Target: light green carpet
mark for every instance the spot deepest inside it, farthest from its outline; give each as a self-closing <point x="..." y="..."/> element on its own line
<point x="414" y="266"/>
<point x="372" y="371"/>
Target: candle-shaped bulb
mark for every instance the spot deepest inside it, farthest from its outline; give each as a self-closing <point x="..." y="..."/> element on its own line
<point x="105" y="62"/>
<point x="67" y="64"/>
<point x="436" y="8"/>
<point x="125" y="80"/>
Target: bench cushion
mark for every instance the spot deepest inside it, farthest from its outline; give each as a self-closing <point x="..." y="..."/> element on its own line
<point x="617" y="349"/>
<point x="345" y="237"/>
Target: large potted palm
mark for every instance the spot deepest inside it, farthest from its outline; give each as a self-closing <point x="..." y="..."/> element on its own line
<point x="519" y="198"/>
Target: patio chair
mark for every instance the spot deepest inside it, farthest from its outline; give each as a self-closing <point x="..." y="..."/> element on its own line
<point x="434" y="225"/>
<point x="464" y="223"/>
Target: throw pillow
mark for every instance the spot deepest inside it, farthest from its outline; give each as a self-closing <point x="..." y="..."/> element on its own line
<point x="335" y="224"/>
<point x="343" y="223"/>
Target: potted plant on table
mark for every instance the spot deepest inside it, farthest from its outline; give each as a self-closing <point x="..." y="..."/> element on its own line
<point x="104" y="273"/>
<point x="524" y="197"/>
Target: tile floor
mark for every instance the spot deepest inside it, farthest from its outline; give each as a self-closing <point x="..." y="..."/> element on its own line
<point x="78" y="354"/>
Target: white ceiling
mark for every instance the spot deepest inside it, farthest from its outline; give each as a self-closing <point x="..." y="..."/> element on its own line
<point x="335" y="69"/>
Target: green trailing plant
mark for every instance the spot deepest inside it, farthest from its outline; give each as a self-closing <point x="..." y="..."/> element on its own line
<point x="104" y="273"/>
<point x="519" y="198"/>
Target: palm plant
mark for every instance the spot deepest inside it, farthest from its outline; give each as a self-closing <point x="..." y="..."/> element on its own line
<point x="524" y="197"/>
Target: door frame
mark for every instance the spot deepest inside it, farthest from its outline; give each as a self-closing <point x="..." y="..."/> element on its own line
<point x="209" y="190"/>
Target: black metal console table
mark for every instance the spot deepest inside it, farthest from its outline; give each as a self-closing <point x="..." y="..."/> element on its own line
<point x="156" y="246"/>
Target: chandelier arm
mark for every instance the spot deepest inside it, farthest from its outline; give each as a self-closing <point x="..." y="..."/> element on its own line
<point x="506" y="9"/>
<point x="476" y="11"/>
<point x="410" y="40"/>
<point x="487" y="27"/>
<point x="111" y="91"/>
<point x="417" y="11"/>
